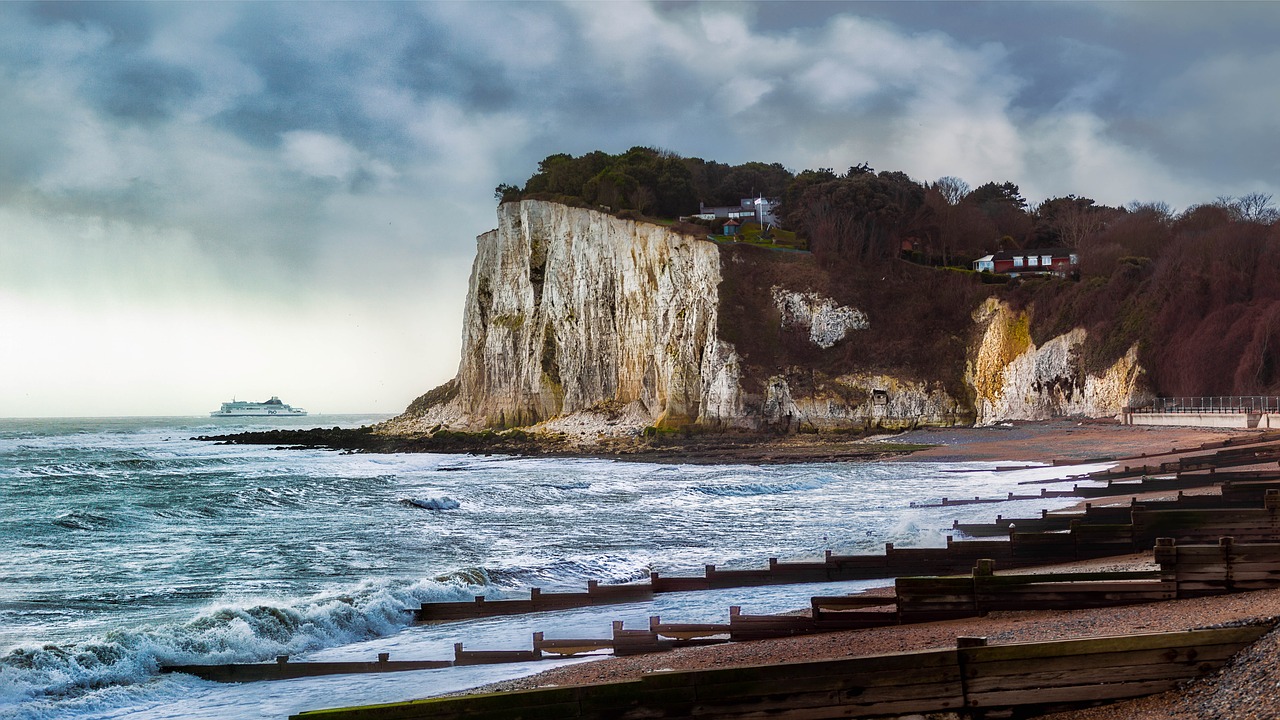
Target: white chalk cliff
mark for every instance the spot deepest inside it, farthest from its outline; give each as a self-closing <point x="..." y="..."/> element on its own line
<point x="570" y="308"/>
<point x="579" y="319"/>
<point x="1013" y="379"/>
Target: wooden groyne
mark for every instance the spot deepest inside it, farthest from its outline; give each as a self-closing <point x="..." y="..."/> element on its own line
<point x="282" y="669"/>
<point x="1020" y="677"/>
<point x="1247" y="510"/>
<point x="1185" y="571"/>
<point x="537" y="601"/>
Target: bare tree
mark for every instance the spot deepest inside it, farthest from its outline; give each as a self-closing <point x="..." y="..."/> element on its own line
<point x="1254" y="207"/>
<point x="952" y="188"/>
<point x="1158" y="208"/>
<point x="1257" y="207"/>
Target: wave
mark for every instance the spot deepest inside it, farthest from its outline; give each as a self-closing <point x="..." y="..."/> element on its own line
<point x="573" y="572"/>
<point x="225" y="633"/>
<point x="760" y="488"/>
<point x="568" y="485"/>
<point x="436" y="503"/>
<point x="84" y="520"/>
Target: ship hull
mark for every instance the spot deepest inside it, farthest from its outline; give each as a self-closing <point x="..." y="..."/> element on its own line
<point x="259" y="413"/>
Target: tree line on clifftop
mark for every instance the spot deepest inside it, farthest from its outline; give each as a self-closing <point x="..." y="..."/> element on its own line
<point x="1197" y="290"/>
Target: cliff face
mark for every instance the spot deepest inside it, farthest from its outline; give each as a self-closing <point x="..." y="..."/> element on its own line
<point x="571" y="308"/>
<point x="1013" y="379"/>
<point x="589" y="323"/>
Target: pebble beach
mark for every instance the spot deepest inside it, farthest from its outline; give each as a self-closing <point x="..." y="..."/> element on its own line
<point x="1245" y="688"/>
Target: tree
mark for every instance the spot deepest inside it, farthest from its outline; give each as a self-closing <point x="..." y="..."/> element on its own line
<point x="1069" y="220"/>
<point x="858" y="216"/>
<point x="951" y="188"/>
<point x="994" y="198"/>
<point x="1255" y="207"/>
<point x="1158" y="209"/>
<point x="1004" y="205"/>
<point x="506" y="193"/>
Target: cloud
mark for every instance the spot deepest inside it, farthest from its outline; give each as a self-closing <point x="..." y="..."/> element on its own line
<point x="325" y="168"/>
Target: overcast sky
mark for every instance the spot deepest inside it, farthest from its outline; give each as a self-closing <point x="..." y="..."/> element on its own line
<point x="200" y="201"/>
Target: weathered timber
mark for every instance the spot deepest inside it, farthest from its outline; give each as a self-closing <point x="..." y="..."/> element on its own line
<point x="1145" y="485"/>
<point x="1070" y="672"/>
<point x="569" y="646"/>
<point x="758" y="627"/>
<point x="1019" y="678"/>
<point x="538" y="601"/>
<point x="1224" y="567"/>
<point x="687" y="631"/>
<point x="637" y="642"/>
<point x="1208" y="524"/>
<point x="835" y="603"/>
<point x="282" y="669"/>
<point x="492" y="657"/>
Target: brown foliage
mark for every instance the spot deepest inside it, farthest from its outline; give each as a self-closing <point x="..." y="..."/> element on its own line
<point x="920" y="318"/>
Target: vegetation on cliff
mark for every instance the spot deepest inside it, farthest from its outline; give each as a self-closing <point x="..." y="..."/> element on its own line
<point x="1196" y="291"/>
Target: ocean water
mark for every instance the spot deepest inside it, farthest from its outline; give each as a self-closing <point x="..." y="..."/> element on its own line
<point x="125" y="545"/>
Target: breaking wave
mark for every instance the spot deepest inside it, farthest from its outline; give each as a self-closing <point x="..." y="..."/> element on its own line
<point x="224" y="633"/>
<point x="756" y="488"/>
<point x="436" y="503"/>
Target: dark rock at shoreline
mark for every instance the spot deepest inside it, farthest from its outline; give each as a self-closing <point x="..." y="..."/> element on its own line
<point x="699" y="448"/>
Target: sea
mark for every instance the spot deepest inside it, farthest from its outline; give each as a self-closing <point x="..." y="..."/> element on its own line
<point x="127" y="546"/>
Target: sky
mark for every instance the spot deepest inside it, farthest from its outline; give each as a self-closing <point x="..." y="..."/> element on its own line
<point x="201" y="201"/>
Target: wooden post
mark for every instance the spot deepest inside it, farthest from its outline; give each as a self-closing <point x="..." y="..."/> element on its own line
<point x="1271" y="500"/>
<point x="282" y="659"/>
<point x="1166" y="553"/>
<point x="735" y="610"/>
<point x="593" y="586"/>
<point x="968" y="642"/>
<point x="654" y="622"/>
<point x="479" y="598"/>
<point x="384" y="658"/>
<point x="985" y="568"/>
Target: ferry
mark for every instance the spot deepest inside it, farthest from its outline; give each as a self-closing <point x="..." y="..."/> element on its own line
<point x="272" y="407"/>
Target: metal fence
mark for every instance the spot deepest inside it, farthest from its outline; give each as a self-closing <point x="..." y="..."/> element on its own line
<point x="1222" y="404"/>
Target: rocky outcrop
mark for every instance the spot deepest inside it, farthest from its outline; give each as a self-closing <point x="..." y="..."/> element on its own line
<point x="587" y="324"/>
<point x="859" y="402"/>
<point x="1013" y="379"/>
<point x="826" y="322"/>
<point x="569" y="308"/>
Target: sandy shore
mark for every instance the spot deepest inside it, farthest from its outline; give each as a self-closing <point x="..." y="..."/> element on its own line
<point x="1061" y="440"/>
<point x="1227" y="697"/>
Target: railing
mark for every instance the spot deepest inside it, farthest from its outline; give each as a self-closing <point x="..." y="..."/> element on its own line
<point x="1221" y="404"/>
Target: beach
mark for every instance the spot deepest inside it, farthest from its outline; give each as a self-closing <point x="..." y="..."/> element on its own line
<point x="1227" y="696"/>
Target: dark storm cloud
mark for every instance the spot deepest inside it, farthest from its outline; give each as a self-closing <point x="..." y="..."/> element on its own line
<point x="149" y="103"/>
<point x="325" y="167"/>
<point x="126" y="23"/>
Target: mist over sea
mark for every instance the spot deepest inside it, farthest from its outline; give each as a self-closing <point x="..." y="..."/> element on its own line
<point x="127" y="545"/>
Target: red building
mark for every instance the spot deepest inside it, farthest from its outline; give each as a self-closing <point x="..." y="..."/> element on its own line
<point x="1040" y="261"/>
